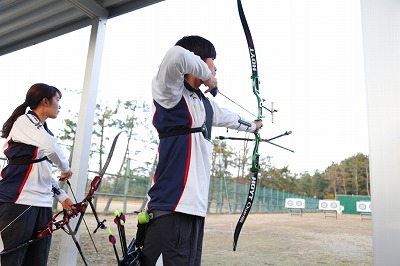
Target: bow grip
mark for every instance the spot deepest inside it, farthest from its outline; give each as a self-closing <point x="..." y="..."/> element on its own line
<point x="214" y="91"/>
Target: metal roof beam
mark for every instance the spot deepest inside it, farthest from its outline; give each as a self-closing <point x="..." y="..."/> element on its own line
<point x="128" y="6"/>
<point x="90" y="8"/>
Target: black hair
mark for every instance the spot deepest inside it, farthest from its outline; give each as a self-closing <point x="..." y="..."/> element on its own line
<point x="36" y="93"/>
<point x="199" y="46"/>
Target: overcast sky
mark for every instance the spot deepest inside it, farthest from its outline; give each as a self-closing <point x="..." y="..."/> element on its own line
<point x="309" y="54"/>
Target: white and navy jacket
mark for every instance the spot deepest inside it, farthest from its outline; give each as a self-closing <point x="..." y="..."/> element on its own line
<point x="182" y="177"/>
<point x="31" y="183"/>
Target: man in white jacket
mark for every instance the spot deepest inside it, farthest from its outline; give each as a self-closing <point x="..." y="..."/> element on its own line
<point x="183" y="117"/>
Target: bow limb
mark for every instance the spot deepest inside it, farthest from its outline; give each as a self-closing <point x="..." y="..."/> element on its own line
<point x="255" y="157"/>
<point x="94" y="186"/>
<point x="80" y="207"/>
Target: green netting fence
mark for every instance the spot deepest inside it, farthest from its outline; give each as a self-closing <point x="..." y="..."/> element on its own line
<point x="225" y="196"/>
<point x="230" y="197"/>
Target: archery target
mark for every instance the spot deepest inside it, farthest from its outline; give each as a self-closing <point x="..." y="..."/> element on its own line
<point x="295" y="203"/>
<point x="329" y="205"/>
<point x="364" y="206"/>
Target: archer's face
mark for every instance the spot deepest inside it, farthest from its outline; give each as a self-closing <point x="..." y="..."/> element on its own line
<point x="54" y="107"/>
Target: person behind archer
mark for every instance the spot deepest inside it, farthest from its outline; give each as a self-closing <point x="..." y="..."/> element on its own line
<point x="26" y="183"/>
<point x="183" y="117"/>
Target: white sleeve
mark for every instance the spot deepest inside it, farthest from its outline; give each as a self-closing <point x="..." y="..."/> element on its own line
<point x="27" y="129"/>
<point x="225" y="118"/>
<point x="168" y="84"/>
<point x="58" y="193"/>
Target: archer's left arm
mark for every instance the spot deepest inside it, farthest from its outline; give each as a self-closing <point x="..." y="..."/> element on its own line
<point x="61" y="196"/>
<point x="225" y="118"/>
<point x="58" y="193"/>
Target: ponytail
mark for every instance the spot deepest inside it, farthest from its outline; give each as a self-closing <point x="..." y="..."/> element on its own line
<point x="20" y="110"/>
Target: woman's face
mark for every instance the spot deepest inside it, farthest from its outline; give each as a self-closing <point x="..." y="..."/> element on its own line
<point x="53" y="106"/>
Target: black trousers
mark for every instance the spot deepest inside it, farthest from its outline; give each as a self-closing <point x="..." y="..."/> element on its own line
<point x="174" y="240"/>
<point x="14" y="233"/>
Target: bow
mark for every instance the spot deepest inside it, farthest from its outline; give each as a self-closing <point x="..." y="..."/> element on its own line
<point x="257" y="139"/>
<point x="255" y="156"/>
<point x="62" y="219"/>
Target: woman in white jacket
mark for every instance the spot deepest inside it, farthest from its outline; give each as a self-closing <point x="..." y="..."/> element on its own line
<point x="26" y="183"/>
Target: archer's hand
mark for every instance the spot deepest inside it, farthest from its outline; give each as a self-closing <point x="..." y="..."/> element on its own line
<point x="259" y="125"/>
<point x="211" y="83"/>
<point x="65" y="176"/>
<point x="68" y="204"/>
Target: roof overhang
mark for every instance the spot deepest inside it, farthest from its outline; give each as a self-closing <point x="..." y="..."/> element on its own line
<point x="25" y="23"/>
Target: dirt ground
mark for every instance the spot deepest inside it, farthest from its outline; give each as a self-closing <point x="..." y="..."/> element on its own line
<point x="266" y="239"/>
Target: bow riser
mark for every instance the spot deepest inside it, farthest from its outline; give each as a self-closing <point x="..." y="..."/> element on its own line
<point x="255" y="166"/>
